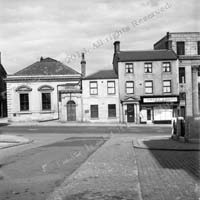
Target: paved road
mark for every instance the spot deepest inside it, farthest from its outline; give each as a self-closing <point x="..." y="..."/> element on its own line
<point x="35" y="172"/>
<point x="90" y="129"/>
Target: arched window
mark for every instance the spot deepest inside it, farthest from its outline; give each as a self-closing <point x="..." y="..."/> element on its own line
<point x="45" y="88"/>
<point x="24" y="97"/>
<point x="23" y="88"/>
<point x="46" y="96"/>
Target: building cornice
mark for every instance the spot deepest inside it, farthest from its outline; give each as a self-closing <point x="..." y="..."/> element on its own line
<point x="12" y="78"/>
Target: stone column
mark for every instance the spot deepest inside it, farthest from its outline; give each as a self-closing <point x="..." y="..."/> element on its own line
<point x="195" y="103"/>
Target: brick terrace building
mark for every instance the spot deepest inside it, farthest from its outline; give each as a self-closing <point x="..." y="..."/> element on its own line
<point x="148" y="83"/>
<point x="187" y="47"/>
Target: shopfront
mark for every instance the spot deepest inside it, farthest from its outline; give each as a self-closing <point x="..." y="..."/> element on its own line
<point x="158" y="109"/>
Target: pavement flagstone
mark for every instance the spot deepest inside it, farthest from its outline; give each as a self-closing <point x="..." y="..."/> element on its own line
<point x="110" y="173"/>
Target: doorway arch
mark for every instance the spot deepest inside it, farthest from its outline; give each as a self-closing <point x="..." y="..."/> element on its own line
<point x="71" y="111"/>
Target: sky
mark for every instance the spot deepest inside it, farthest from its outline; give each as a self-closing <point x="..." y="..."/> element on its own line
<point x="62" y="29"/>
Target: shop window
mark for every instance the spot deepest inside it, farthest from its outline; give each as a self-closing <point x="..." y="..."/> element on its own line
<point x="111" y="110"/>
<point x="180" y="48"/>
<point x="46" y="101"/>
<point x="148" y="67"/>
<point x="181" y="74"/>
<point x="129" y="87"/>
<point x="166" y="67"/>
<point x="167" y="86"/>
<point x="129" y="68"/>
<point x="94" y="111"/>
<point x="148" y="87"/>
<point x="24" y="101"/>
<point x="111" y="87"/>
<point x="93" y="88"/>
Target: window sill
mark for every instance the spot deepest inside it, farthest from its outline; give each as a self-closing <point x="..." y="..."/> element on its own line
<point x="24" y="112"/>
<point x="167" y="72"/>
<point x="94" y="118"/>
<point x="46" y="111"/>
<point x="167" y="93"/>
<point x="112" y="117"/>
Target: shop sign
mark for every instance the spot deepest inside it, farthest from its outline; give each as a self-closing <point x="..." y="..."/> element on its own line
<point x="160" y="99"/>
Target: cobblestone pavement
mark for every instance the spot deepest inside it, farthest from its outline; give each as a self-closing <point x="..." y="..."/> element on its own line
<point x="168" y="175"/>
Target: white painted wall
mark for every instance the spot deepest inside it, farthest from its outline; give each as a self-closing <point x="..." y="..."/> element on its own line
<point x="35" y="112"/>
<point x="102" y="100"/>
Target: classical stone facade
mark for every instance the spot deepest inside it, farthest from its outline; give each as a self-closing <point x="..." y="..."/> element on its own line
<point x="42" y="92"/>
<point x="187" y="47"/>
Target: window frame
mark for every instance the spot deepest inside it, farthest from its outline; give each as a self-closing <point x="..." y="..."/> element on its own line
<point x="93" y="88"/>
<point x="92" y="111"/>
<point x="129" y="68"/>
<point x="180" y="77"/>
<point x="166" y="67"/>
<point x="110" y="88"/>
<point x="180" y="51"/>
<point x="20" y="102"/>
<point x="45" y="103"/>
<point x="112" y="111"/>
<point x="146" y="68"/>
<point x="147" y="87"/>
<point x="127" y="87"/>
<point x="170" y="86"/>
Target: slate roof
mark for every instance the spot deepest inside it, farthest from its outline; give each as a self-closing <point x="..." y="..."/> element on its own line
<point x="102" y="74"/>
<point x="149" y="55"/>
<point x="46" y="66"/>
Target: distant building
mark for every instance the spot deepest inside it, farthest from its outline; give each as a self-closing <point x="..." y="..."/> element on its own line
<point x="101" y="97"/>
<point x="3" y="105"/>
<point x="148" y="85"/>
<point x="45" y="90"/>
<point x="187" y="47"/>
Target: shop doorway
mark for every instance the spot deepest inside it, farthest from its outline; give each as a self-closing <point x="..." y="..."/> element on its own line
<point x="149" y="115"/>
<point x="71" y="111"/>
<point x="130" y="113"/>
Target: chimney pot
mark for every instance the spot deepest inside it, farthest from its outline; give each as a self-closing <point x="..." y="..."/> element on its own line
<point x="83" y="65"/>
<point x="41" y="58"/>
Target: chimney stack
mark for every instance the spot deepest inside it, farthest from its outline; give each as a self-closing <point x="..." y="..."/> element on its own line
<point x="116" y="46"/>
<point x="83" y="65"/>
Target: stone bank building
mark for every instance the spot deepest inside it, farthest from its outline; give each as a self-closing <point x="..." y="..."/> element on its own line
<point x="45" y="90"/>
